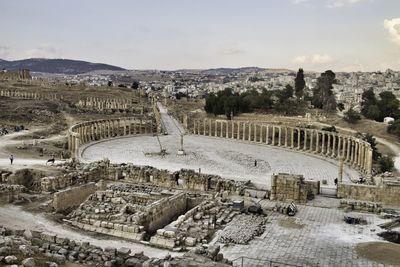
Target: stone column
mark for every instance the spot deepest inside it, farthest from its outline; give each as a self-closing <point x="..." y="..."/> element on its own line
<point x="199" y="127"/>
<point x="340" y="176"/>
<point x="273" y="135"/>
<point x="291" y="137"/>
<point x="317" y="142"/>
<point x="279" y="135"/>
<point x="250" y="124"/>
<point x="305" y="140"/>
<point x="298" y="138"/>
<point x="323" y="143"/>
<point x="204" y="126"/>
<point x="238" y="131"/>
<point x="286" y="137"/>
<point x="209" y="127"/>
<point x="194" y="126"/>
<point x="357" y="154"/>
<point x="333" y="146"/>
<point x="339" y="148"/>
<point x="232" y="129"/>
<point x="267" y="135"/>
<point x="255" y="132"/>
<point x="353" y="150"/>
<point x="311" y="141"/>
<point x="328" y="147"/>
<point x="216" y="129"/>
<point x="348" y="149"/>
<point x="244" y="131"/>
<point x="227" y="129"/>
<point x="221" y="134"/>
<point x="369" y="164"/>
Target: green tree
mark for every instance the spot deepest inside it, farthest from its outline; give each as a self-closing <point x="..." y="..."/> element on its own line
<point x="394" y="128"/>
<point x="386" y="164"/>
<point x="322" y="93"/>
<point x="352" y="116"/>
<point x="299" y="83"/>
<point x="369" y="100"/>
<point x="135" y="85"/>
<point x="372" y="141"/>
<point x="388" y="105"/>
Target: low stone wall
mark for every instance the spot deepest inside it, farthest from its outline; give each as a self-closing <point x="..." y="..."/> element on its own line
<point x="73" y="196"/>
<point x="387" y="193"/>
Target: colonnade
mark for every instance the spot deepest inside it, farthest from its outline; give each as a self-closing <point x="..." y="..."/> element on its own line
<point x="28" y="95"/>
<point x="105" y="104"/>
<point x="354" y="151"/>
<point x="95" y="130"/>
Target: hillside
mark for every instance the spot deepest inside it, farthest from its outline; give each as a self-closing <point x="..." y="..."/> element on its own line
<point x="62" y="66"/>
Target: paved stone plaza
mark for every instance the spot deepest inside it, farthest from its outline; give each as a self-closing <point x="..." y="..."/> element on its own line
<point x="229" y="159"/>
<point x="323" y="240"/>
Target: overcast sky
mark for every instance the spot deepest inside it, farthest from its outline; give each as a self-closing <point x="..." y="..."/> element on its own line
<point x="342" y="35"/>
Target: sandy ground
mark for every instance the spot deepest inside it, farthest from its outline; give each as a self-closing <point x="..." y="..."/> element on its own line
<point x="227" y="158"/>
<point x="21" y="161"/>
<point x="15" y="217"/>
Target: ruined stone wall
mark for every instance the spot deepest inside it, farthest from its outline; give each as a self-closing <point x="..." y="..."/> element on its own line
<point x="190" y="180"/>
<point x="288" y="187"/>
<point x="73" y="196"/>
<point x="77" y="175"/>
<point x="161" y="212"/>
<point x="387" y="193"/>
<point x="355" y="152"/>
<point x="9" y="193"/>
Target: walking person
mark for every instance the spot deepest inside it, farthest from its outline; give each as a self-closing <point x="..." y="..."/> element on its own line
<point x="255" y="163"/>
<point x="12" y="159"/>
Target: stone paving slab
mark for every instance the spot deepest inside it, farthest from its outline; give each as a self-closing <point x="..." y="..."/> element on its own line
<point x="325" y="240"/>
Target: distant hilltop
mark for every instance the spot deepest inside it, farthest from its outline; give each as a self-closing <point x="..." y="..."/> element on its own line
<point x="61" y="66"/>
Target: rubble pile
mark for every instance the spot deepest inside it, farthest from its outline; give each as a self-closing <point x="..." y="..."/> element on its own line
<point x="194" y="227"/>
<point x="242" y="229"/>
<point x="356" y="205"/>
<point x="34" y="248"/>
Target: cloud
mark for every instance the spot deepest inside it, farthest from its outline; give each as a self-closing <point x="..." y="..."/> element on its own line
<point x="314" y="60"/>
<point x="330" y="3"/>
<point x="392" y="26"/>
<point x="43" y="51"/>
<point x="321" y="59"/>
<point x="341" y="3"/>
<point x="300" y="59"/>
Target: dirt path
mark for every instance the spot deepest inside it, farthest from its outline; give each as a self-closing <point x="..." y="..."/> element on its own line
<point x="16" y="218"/>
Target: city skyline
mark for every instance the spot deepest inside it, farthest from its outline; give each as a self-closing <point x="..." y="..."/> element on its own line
<point x="343" y="35"/>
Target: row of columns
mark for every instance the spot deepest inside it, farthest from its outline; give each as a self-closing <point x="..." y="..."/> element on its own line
<point x="354" y="151"/>
<point x="27" y="95"/>
<point x="101" y="129"/>
<point x="104" y="104"/>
